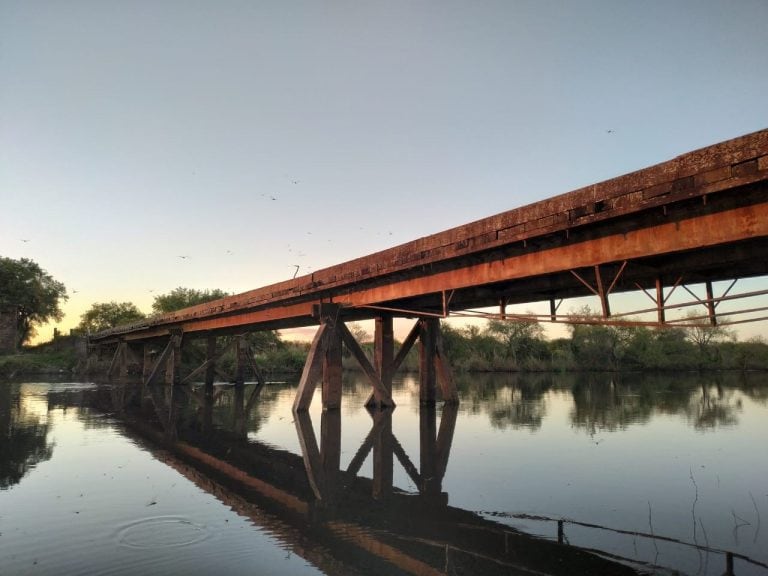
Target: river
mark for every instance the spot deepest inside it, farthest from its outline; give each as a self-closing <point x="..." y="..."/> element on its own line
<point x="530" y="474"/>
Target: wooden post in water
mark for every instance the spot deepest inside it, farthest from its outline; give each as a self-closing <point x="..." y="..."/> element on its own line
<point x="173" y="365"/>
<point x="427" y="353"/>
<point x="384" y="350"/>
<point x="332" y="369"/>
<point x="241" y="351"/>
<point x="146" y="368"/>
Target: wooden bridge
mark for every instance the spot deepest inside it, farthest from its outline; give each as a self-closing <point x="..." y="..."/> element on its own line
<point x="699" y="218"/>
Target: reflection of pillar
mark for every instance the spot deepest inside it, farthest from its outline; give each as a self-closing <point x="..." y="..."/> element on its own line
<point x="384" y="350"/>
<point x="238" y="400"/>
<point x="383" y="455"/>
<point x="208" y="409"/>
<point x="427" y="353"/>
<point x="310" y="453"/>
<point x="210" y="356"/>
<point x="330" y="450"/>
<point x="430" y="483"/>
<point x="435" y="448"/>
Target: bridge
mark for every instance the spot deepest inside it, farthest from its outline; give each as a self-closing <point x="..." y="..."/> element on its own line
<point x="699" y="218"/>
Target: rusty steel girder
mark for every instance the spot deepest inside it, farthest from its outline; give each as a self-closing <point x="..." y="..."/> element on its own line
<point x="704" y="213"/>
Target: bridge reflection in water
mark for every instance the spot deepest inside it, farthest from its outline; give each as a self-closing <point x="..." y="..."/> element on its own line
<point x="335" y="517"/>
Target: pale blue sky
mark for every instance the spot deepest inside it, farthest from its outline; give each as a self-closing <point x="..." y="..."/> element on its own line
<point x="132" y="133"/>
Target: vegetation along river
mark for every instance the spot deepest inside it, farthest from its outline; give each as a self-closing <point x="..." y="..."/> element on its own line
<point x="534" y="474"/>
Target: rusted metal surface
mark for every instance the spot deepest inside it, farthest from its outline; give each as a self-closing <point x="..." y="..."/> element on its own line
<point x="704" y="213"/>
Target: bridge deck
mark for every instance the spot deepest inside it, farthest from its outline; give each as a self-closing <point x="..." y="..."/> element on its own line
<point x="703" y="214"/>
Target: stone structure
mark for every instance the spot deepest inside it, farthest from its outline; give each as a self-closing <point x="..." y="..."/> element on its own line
<point x="8" y="332"/>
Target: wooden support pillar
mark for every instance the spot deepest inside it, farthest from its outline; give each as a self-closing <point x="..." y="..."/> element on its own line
<point x="381" y="396"/>
<point x="169" y="359"/>
<point x="210" y="356"/>
<point x="427" y="353"/>
<point x="602" y="293"/>
<point x="332" y="369"/>
<point x="384" y="350"/>
<point x="114" y="363"/>
<point x="242" y="359"/>
<point x="443" y="370"/>
<point x="711" y="304"/>
<point x="146" y="368"/>
<point x="173" y="365"/>
<point x="503" y="308"/>
<point x="312" y="370"/>
<point x="660" y="301"/>
<point x="122" y="360"/>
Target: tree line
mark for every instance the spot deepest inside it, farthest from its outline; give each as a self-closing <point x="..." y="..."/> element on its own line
<point x="521" y="346"/>
<point x="510" y="345"/>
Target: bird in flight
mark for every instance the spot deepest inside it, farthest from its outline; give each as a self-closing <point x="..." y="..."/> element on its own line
<point x="183" y="257"/>
<point x="25" y="240"/>
<point x="297" y="269"/>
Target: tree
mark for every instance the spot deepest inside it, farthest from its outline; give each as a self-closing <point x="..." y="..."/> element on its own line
<point x="704" y="334"/>
<point x="179" y="298"/>
<point x="596" y="346"/>
<point x="32" y="292"/>
<point x="105" y="315"/>
<point x="519" y="336"/>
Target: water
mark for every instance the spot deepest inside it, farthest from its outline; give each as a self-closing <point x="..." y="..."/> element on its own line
<point x="659" y="474"/>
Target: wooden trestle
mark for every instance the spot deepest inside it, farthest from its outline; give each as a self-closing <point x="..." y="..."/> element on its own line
<point x="323" y="364"/>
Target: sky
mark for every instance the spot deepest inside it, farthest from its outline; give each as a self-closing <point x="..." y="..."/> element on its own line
<point x="147" y="145"/>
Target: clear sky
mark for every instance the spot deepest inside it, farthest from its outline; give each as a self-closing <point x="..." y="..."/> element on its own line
<point x="250" y="136"/>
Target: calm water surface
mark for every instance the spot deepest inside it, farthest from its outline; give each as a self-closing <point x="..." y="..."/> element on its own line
<point x="655" y="474"/>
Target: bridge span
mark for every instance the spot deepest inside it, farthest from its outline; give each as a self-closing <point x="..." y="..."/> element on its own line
<point x="701" y="217"/>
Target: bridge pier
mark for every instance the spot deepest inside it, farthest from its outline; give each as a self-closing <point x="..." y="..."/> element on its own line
<point x="384" y="350"/>
<point x="125" y="360"/>
<point x="324" y="363"/>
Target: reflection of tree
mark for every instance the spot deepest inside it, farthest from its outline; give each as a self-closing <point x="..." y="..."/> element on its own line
<point x="606" y="403"/>
<point x="511" y="401"/>
<point x="22" y="438"/>
<point x="713" y="406"/>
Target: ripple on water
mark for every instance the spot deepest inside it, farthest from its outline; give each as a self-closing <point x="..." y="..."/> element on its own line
<point x="159" y="532"/>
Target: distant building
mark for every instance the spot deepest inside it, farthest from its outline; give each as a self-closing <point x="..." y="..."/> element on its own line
<point x="8" y="331"/>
